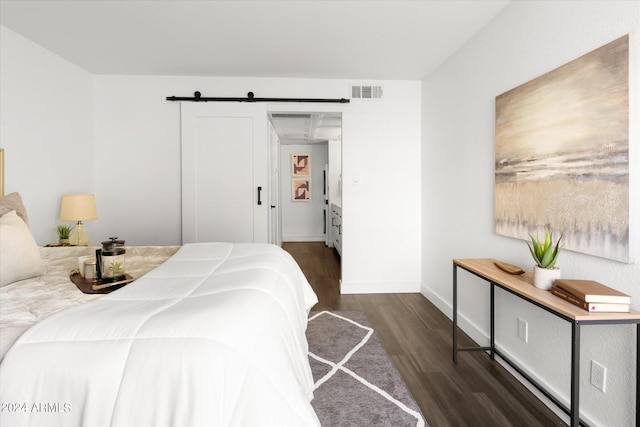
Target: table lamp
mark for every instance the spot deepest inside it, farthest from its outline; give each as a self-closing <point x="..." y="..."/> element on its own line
<point x="78" y="207"/>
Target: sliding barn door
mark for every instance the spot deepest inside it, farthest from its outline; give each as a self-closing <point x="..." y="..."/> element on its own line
<point x="225" y="195"/>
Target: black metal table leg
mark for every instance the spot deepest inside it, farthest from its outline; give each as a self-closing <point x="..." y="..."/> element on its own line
<point x="455" y="313"/>
<point x="575" y="375"/>
<point x="493" y="322"/>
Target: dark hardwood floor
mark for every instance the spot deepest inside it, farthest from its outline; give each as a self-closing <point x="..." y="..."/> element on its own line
<point x="417" y="336"/>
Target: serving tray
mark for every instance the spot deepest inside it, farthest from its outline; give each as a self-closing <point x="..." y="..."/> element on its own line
<point x="98" y="287"/>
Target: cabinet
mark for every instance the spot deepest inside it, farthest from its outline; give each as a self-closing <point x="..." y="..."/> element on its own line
<point x="336" y="227"/>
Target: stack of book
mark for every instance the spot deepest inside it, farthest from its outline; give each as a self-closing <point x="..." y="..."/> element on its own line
<point x="591" y="296"/>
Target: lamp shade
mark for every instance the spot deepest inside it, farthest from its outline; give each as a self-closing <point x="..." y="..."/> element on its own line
<point x="78" y="207"/>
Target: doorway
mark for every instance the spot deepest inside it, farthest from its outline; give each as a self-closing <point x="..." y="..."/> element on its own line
<point x="316" y="138"/>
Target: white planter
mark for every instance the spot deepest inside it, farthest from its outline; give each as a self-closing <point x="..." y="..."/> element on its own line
<point x="543" y="277"/>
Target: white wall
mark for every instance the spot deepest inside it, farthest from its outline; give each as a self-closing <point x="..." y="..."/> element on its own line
<point x="381" y="203"/>
<point x="138" y="166"/>
<point x="335" y="183"/>
<point x="527" y="39"/>
<point x="119" y="139"/>
<point x="45" y="129"/>
<point x="303" y="221"/>
<point x="335" y="172"/>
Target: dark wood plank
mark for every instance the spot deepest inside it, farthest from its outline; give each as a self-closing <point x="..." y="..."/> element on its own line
<point x="417" y="336"/>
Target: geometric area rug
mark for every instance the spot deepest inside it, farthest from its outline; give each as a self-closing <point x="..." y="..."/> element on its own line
<point x="356" y="383"/>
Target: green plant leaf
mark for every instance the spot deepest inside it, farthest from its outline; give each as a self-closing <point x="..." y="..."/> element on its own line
<point x="537" y="249"/>
<point x="533" y="253"/>
<point x="556" y="252"/>
<point x="547" y="240"/>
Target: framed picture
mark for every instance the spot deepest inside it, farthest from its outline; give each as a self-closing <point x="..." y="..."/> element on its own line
<point x="562" y="155"/>
<point x="301" y="164"/>
<point x="301" y="189"/>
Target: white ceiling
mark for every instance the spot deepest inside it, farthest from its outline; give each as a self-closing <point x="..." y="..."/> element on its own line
<point x="365" y="40"/>
<point x="360" y="39"/>
<point x="307" y="128"/>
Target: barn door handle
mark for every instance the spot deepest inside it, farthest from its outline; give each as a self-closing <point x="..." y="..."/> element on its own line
<point x="259" y="192"/>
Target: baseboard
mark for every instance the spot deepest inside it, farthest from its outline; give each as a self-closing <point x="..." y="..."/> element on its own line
<point x="481" y="338"/>
<point x="303" y="238"/>
<point x="378" y="288"/>
<point x="470" y="328"/>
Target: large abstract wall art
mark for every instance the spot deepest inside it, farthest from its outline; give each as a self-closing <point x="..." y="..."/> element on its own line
<point x="562" y="155"/>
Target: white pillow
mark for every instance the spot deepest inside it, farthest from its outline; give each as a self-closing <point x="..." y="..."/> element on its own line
<point x="19" y="253"/>
<point x="12" y="202"/>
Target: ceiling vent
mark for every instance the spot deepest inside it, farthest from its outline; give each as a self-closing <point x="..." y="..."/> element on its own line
<point x="366" y="92"/>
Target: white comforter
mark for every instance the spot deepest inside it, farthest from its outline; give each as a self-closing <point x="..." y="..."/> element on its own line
<point x="213" y="337"/>
<point x="27" y="302"/>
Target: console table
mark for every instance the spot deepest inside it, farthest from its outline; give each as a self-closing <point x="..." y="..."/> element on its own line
<point x="522" y="287"/>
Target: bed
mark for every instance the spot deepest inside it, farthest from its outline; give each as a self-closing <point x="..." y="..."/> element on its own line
<point x="209" y="334"/>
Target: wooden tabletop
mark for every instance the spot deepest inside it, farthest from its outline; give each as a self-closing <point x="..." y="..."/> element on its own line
<point x="523" y="285"/>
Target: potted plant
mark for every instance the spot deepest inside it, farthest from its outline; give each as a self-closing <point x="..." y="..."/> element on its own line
<point x="64" y="231"/>
<point x="545" y="254"/>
